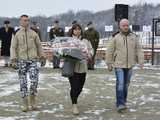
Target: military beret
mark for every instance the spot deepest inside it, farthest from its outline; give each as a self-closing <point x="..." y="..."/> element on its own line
<point x="6" y="22"/>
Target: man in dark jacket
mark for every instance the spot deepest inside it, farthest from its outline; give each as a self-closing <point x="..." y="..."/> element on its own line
<point x="6" y="33"/>
<point x="93" y="36"/>
<point x="56" y="31"/>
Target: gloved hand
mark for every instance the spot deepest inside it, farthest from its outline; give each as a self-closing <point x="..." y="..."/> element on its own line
<point x="42" y="61"/>
<point x="110" y="67"/>
<point x="13" y="64"/>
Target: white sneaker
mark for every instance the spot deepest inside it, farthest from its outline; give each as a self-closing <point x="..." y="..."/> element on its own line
<point x="75" y="109"/>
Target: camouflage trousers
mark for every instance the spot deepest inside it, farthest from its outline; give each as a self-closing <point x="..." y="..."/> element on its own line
<point x="28" y="67"/>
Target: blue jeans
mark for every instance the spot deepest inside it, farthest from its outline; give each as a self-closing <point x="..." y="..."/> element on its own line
<point x="123" y="76"/>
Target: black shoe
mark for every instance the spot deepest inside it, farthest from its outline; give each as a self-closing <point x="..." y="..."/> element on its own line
<point x="91" y="68"/>
<point x="55" y="67"/>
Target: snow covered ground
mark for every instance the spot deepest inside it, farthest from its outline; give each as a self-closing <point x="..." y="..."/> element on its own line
<point x="97" y="102"/>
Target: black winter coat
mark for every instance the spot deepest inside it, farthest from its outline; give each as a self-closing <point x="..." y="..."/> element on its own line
<point x="6" y="37"/>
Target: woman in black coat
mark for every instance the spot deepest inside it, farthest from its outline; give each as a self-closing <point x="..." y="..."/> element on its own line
<point x="6" y="33"/>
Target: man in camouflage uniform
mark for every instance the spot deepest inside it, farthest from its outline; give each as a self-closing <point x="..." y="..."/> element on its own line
<point x="36" y="28"/>
<point x="26" y="50"/>
<point x="93" y="36"/>
<point x="56" y="31"/>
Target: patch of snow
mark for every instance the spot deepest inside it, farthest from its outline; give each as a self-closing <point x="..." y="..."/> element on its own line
<point x="132" y="110"/>
<point x="96" y="112"/>
<point x="86" y="91"/>
<point x="105" y="97"/>
<point x="49" y="111"/>
<point x="146" y="99"/>
<point x="9" y="104"/>
<point x="7" y="118"/>
<point x="8" y="90"/>
<point x="82" y="118"/>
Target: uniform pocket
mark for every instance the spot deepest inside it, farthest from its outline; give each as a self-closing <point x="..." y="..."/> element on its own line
<point x="21" y="40"/>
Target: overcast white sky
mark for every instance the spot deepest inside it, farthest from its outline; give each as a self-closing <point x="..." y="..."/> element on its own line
<point x="14" y="8"/>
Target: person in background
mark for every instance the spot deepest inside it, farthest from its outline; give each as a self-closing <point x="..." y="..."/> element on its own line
<point x="70" y="30"/>
<point x="36" y="28"/>
<point x="92" y="35"/>
<point x="26" y="51"/>
<point x="6" y="34"/>
<point x="56" y="31"/>
<point x="123" y="52"/>
<point x="80" y="70"/>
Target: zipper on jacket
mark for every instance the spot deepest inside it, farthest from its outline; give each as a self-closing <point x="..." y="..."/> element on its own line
<point x="27" y="43"/>
<point x="127" y="51"/>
